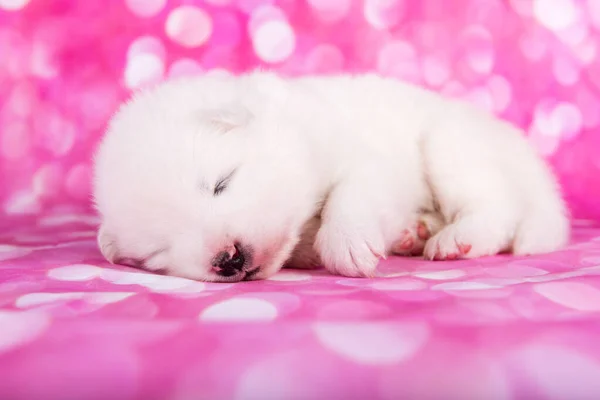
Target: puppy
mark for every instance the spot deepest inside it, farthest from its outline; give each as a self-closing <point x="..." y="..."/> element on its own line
<point x="228" y="178"/>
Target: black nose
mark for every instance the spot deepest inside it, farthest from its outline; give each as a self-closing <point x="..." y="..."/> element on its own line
<point x="227" y="265"/>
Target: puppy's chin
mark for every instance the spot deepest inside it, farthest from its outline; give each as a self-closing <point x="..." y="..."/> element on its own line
<point x="277" y="257"/>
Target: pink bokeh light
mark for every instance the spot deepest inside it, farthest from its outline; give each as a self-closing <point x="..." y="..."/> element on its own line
<point x="68" y="64"/>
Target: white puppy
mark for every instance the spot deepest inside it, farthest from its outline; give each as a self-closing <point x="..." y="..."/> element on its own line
<point x="229" y="178"/>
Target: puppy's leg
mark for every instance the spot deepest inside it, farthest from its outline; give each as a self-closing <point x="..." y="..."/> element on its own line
<point x="364" y="213"/>
<point x="475" y="194"/>
<point x="412" y="239"/>
<point x="481" y="233"/>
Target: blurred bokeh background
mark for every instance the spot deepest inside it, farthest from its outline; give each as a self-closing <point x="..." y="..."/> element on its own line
<point x="66" y="64"/>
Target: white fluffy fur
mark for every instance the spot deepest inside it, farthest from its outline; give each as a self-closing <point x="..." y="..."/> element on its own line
<point x="335" y="168"/>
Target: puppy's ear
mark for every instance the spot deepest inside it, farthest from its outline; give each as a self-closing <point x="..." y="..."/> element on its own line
<point x="107" y="245"/>
<point x="227" y="118"/>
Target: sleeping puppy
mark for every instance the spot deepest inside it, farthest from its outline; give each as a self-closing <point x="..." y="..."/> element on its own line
<point x="229" y="178"/>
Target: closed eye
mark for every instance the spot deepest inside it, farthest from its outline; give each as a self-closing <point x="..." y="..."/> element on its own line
<point x="223" y="183"/>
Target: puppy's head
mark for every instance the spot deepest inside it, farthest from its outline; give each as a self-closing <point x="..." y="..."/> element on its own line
<point x="208" y="190"/>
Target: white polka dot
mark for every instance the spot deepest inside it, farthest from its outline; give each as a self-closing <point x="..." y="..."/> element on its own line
<point x="555" y="14"/>
<point x="281" y="374"/>
<point x="262" y="15"/>
<point x="436" y="71"/>
<point x="37" y="299"/>
<point x="13" y="5"/>
<point x="586" y="51"/>
<point x="403" y="284"/>
<point x="154" y="282"/>
<point x="515" y="270"/>
<point x="274" y="41"/>
<point x="145" y="8"/>
<point x="289" y="276"/>
<point x="22" y="100"/>
<point x="559" y="276"/>
<point x="441" y="275"/>
<point x="558" y="373"/>
<point x="396" y="274"/>
<point x="568" y="116"/>
<point x="143" y="69"/>
<point x="22" y="203"/>
<point x="240" y="309"/>
<point x="189" y="26"/>
<point x="107" y="297"/>
<point x="185" y="67"/>
<point x="479" y="49"/>
<point x="543" y="122"/>
<point x="9" y="252"/>
<point x="326" y="292"/>
<point x="77" y="272"/>
<point x="576" y="33"/>
<point x="545" y="145"/>
<point x="384" y="14"/>
<point x="147" y="45"/>
<point x="47" y="180"/>
<point x="499" y="282"/>
<point x="373" y="343"/>
<point x="463" y="286"/>
<point x="56" y="131"/>
<point x="556" y="121"/>
<point x="575" y="295"/>
<point x="496" y="293"/>
<point x="19" y="328"/>
<point x="399" y="59"/>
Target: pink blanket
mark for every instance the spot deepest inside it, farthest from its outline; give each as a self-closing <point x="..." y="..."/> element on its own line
<point x="74" y="327"/>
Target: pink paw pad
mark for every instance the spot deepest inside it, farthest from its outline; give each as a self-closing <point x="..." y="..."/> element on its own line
<point x="406" y="242"/>
<point x="464" y="248"/>
<point x="423" y="231"/>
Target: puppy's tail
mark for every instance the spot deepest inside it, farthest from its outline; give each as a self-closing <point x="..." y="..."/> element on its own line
<point x="545" y="229"/>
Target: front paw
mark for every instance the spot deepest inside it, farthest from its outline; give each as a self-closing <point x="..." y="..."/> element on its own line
<point x="349" y="252"/>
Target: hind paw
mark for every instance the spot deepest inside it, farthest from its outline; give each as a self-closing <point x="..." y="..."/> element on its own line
<point x="413" y="239"/>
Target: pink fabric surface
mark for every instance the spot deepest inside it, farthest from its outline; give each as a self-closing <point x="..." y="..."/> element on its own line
<point x="74" y="327"/>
